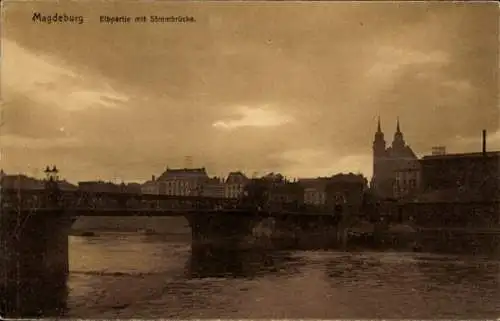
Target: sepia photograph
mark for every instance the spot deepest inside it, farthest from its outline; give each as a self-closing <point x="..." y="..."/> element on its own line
<point x="249" y="160"/>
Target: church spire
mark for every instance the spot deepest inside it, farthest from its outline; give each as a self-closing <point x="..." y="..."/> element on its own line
<point x="379" y="141"/>
<point x="398" y="141"/>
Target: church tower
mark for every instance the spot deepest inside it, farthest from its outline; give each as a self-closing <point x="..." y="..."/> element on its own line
<point x="379" y="156"/>
<point x="398" y="144"/>
<point x="379" y="142"/>
<point x="395" y="167"/>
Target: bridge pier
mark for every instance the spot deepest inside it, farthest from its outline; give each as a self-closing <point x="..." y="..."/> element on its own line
<point x="34" y="258"/>
<point x="225" y="230"/>
<point x="237" y="231"/>
<point x="313" y="232"/>
<point x="301" y="232"/>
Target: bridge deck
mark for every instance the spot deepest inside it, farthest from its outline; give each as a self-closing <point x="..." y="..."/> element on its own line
<point x="467" y="230"/>
<point x="172" y="212"/>
<point x="114" y="195"/>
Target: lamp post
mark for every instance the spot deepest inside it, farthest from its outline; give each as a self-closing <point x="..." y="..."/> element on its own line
<point x="52" y="185"/>
<point x="51" y="174"/>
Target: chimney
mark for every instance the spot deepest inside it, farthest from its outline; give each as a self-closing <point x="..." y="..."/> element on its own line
<point x="484" y="141"/>
<point x="153" y="178"/>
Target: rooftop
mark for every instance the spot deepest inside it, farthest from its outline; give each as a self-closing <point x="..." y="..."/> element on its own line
<point x="236" y="177"/>
<point x="462" y="155"/>
<point x="186" y="170"/>
<point x="26" y="182"/>
<point x="96" y="183"/>
<point x="182" y="172"/>
<point x="237" y="173"/>
<point x="318" y="183"/>
<point x="351" y="178"/>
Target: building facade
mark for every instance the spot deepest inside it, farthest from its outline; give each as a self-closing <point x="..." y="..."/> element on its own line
<point x="151" y="187"/>
<point x="182" y="182"/>
<point x="132" y="188"/>
<point x="285" y="195"/>
<point x="314" y="195"/>
<point x="407" y="181"/>
<point x="470" y="172"/>
<point x="394" y="167"/>
<point x="213" y="187"/>
<point x="235" y="185"/>
<point x="348" y="189"/>
<point x="456" y="190"/>
<point x="314" y="190"/>
<point x="273" y="192"/>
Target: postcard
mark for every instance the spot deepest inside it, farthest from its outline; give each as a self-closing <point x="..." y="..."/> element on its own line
<point x="249" y="159"/>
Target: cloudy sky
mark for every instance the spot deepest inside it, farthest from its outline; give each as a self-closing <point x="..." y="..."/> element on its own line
<point x="289" y="87"/>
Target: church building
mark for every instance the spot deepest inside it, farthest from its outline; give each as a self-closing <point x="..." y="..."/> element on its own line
<point x="395" y="167"/>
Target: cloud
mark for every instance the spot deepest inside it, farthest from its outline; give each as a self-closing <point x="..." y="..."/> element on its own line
<point x="154" y="94"/>
<point x="16" y="141"/>
<point x="388" y="60"/>
<point x="474" y="144"/>
<point x="493" y="142"/>
<point x="458" y="85"/>
<point x="88" y="99"/>
<point x="49" y="82"/>
<point x="254" y="117"/>
<point x="313" y="162"/>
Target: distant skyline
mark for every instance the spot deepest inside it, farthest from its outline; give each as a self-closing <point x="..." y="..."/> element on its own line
<point x="289" y="87"/>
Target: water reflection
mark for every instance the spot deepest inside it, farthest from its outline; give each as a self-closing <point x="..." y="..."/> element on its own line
<point x="348" y="265"/>
<point x="460" y="270"/>
<point x="410" y="285"/>
<point x="208" y="261"/>
<point x="148" y="277"/>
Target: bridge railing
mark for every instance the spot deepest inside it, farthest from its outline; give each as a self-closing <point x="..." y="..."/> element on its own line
<point x="29" y="199"/>
<point x="81" y="201"/>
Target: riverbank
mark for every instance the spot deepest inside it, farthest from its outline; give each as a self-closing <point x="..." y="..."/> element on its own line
<point x="484" y="241"/>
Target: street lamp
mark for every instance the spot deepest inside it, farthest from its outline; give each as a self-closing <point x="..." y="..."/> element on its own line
<point x="51" y="173"/>
<point x="51" y="185"/>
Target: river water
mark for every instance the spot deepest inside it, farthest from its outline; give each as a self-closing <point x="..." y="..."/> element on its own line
<point x="126" y="275"/>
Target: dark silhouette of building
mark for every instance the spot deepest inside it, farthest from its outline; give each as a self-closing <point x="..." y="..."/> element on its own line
<point x="98" y="187"/>
<point x="151" y="186"/>
<point x="273" y="191"/>
<point x="287" y="192"/>
<point x="213" y="187"/>
<point x="24" y="182"/>
<point x="457" y="190"/>
<point x="470" y="173"/>
<point x="348" y="190"/>
<point x="390" y="162"/>
<point x="133" y="188"/>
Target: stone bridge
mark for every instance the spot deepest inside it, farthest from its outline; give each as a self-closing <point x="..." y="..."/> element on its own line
<point x="35" y="225"/>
